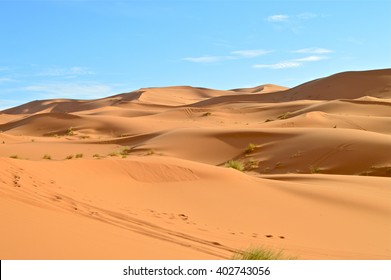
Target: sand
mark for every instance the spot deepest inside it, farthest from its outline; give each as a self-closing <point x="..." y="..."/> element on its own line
<point x="142" y="175"/>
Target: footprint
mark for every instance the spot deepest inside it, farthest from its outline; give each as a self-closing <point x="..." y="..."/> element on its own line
<point x="183" y="217"/>
<point x="16" y="181"/>
<point x="282" y="237"/>
<point x="269" y="236"/>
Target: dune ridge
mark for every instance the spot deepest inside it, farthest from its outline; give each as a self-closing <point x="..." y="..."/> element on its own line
<point x="142" y="175"/>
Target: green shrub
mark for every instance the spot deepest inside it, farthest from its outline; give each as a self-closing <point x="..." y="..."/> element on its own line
<point x="314" y="169"/>
<point x="250" y="148"/>
<point x="235" y="165"/>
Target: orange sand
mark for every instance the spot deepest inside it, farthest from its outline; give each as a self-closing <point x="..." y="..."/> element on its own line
<point x="149" y="180"/>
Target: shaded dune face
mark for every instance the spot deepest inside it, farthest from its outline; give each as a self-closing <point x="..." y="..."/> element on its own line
<point x="142" y="175"/>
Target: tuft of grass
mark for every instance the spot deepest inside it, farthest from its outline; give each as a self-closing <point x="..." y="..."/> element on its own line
<point x="96" y="156"/>
<point x="269" y="120"/>
<point x="69" y="157"/>
<point x="235" y="165"/>
<point x="14" y="156"/>
<point x="250" y="148"/>
<point x="314" y="169"/>
<point x="78" y="155"/>
<point x="150" y="152"/>
<point x="70" y="132"/>
<point x="262" y="253"/>
<point x="125" y="151"/>
<point x="252" y="164"/>
<point x="284" y="116"/>
<point x="114" y="154"/>
<point x="46" y="156"/>
<point x="207" y="114"/>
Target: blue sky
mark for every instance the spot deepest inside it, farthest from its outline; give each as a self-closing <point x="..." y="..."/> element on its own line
<point x="88" y="49"/>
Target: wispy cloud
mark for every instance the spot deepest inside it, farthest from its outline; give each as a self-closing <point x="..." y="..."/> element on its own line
<point x="279" y="65"/>
<point x="206" y="59"/>
<point x="69" y="90"/>
<point x="233" y="55"/>
<point x="59" y="71"/>
<point x="5" y="80"/>
<point x="292" y="63"/>
<point x="310" y="58"/>
<point x="313" y="51"/>
<point x="250" y="53"/>
<point x="286" y="18"/>
<point x="277" y="18"/>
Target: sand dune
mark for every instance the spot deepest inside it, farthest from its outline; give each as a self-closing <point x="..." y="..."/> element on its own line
<point x="141" y="175"/>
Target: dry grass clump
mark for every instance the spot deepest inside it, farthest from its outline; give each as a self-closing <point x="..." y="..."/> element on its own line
<point x="262" y="253"/>
<point x="46" y="156"/>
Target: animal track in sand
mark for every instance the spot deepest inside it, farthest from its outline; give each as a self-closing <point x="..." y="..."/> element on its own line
<point x="16" y="181"/>
<point x="183" y="217"/>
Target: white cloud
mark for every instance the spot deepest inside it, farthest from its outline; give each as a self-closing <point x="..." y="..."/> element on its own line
<point x="5" y="79"/>
<point x="72" y="71"/>
<point x="205" y="59"/>
<point x="279" y="65"/>
<point x="313" y="51"/>
<point x="277" y="18"/>
<point x="310" y="58"/>
<point x="234" y="55"/>
<point x="71" y="90"/>
<point x="250" y="53"/>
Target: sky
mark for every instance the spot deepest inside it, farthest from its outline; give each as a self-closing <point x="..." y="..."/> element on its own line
<point x="85" y="49"/>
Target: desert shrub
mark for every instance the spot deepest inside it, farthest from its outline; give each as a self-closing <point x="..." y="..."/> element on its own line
<point x="250" y="148"/>
<point x="262" y="253"/>
<point x="70" y="131"/>
<point x="252" y="164"/>
<point x="125" y="151"/>
<point x="284" y="116"/>
<point x="69" y="157"/>
<point x="235" y="165"/>
<point x="46" y="156"/>
<point x="314" y="169"/>
<point x="78" y="155"/>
